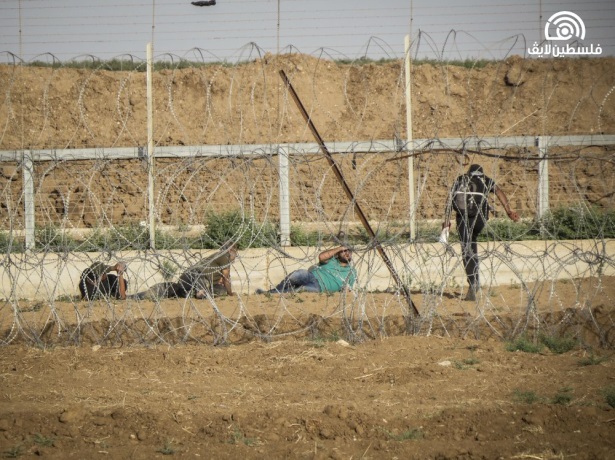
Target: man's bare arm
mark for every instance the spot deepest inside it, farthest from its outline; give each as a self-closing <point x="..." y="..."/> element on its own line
<point x="504" y="200"/>
<point x="324" y="256"/>
<point x="226" y="280"/>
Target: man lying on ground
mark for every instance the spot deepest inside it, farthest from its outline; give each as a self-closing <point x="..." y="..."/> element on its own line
<point x="332" y="274"/>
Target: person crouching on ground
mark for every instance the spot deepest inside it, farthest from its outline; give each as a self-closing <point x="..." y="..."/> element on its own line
<point x="97" y="281"/>
<point x="332" y="274"/>
<point x="210" y="276"/>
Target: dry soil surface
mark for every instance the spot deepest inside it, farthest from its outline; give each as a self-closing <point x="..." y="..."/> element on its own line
<point x="311" y="394"/>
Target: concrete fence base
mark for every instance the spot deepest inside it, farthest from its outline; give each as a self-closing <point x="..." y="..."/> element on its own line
<point x="52" y="276"/>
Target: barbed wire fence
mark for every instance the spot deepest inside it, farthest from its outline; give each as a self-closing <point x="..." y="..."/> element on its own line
<point x="74" y="191"/>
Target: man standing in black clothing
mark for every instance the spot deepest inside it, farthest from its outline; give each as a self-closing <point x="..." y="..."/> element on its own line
<point x="469" y="198"/>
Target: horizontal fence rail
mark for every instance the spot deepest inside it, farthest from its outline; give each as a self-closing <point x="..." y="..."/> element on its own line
<point x="376" y="146"/>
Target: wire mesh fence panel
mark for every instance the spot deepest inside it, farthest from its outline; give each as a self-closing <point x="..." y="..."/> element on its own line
<point x="219" y="133"/>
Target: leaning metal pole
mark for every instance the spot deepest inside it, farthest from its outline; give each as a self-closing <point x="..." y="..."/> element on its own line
<point x="357" y="207"/>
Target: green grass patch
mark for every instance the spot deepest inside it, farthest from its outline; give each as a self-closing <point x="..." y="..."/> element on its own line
<point x="609" y="395"/>
<point x="234" y="225"/>
<point x="578" y="222"/>
<point x="301" y="237"/>
<point x="562" y="397"/>
<point x="526" y="397"/>
<point x="130" y="65"/>
<point x="558" y="344"/>
<point x="525" y="345"/>
<point x="42" y="441"/>
<point x="167" y="449"/>
<point x="471" y="361"/>
<point x="238" y="437"/>
<point x="9" y="244"/>
<point x="135" y="64"/>
<point x="53" y="239"/>
<point x="319" y="340"/>
<point x="13" y="452"/>
<point x="592" y="360"/>
<point x="563" y="223"/>
<point x="408" y="435"/>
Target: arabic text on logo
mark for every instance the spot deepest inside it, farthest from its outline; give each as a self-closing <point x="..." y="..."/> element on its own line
<point x="561" y="26"/>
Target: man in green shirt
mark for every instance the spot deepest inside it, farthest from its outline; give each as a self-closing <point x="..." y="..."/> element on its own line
<point x="332" y="274"/>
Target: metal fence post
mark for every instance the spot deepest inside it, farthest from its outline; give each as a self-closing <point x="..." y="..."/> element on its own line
<point x="150" y="151"/>
<point x="284" y="198"/>
<point x="27" y="167"/>
<point x="411" y="181"/>
<point x="543" y="176"/>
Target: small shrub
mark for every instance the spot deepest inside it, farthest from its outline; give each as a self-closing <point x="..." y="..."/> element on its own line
<point x="527" y="397"/>
<point x="42" y="441"/>
<point x="68" y="298"/>
<point x="95" y="242"/>
<point x="165" y="240"/>
<point x="9" y="243"/>
<point x="233" y="225"/>
<point x="562" y="397"/>
<point x="238" y="437"/>
<point x="609" y="395"/>
<point x="53" y="239"/>
<point x="408" y="435"/>
<point x="579" y="222"/>
<point x="37" y="306"/>
<point x="388" y="234"/>
<point x="131" y="236"/>
<point x="557" y="344"/>
<point x="592" y="360"/>
<point x="426" y="231"/>
<point x="167" y="449"/>
<point x="300" y="237"/>
<point x="465" y="363"/>
<point x="13" y="452"/>
<point x="319" y="340"/>
<point x="524" y="344"/>
<point x="507" y="230"/>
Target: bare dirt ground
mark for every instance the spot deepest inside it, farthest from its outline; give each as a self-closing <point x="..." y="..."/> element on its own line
<point x="305" y="392"/>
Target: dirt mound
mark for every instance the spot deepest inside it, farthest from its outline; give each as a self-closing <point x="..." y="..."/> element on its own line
<point x="247" y="103"/>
